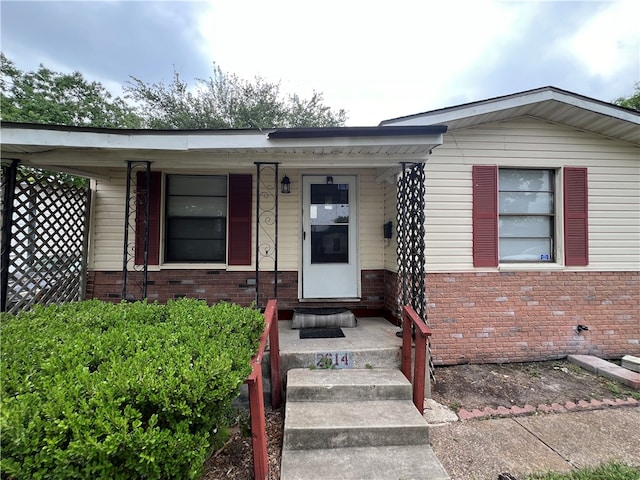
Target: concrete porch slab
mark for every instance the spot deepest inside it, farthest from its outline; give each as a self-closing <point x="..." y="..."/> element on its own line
<point x="373" y="343"/>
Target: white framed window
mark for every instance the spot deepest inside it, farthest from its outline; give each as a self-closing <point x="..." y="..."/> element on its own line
<point x="526" y="215"/>
<point x="196" y="218"/>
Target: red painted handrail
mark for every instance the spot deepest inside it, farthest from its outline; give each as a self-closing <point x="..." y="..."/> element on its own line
<point x="410" y="317"/>
<point x="256" y="394"/>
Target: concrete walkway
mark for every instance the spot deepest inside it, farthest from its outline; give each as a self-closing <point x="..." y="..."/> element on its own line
<point x="483" y="448"/>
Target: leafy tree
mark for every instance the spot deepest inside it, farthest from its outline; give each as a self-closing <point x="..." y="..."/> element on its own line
<point x="632" y="101"/>
<point x="227" y="101"/>
<point x="48" y="97"/>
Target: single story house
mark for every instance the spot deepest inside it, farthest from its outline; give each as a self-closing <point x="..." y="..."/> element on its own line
<point x="508" y="222"/>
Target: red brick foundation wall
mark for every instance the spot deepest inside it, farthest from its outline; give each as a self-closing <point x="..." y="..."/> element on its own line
<point x="516" y="317"/>
<point x="391" y="307"/>
<point x="237" y="287"/>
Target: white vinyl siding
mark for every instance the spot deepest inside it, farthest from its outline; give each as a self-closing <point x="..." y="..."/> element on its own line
<point x="614" y="189"/>
<point x="391" y="214"/>
<point x="289" y="223"/>
<point x="107" y="235"/>
<point x="371" y="220"/>
<point x="107" y="223"/>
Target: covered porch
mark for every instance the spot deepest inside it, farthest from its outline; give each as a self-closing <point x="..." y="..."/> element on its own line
<point x="270" y="238"/>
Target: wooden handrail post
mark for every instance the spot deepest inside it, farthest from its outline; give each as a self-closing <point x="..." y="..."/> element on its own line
<point x="410" y="318"/>
<point x="256" y="393"/>
<point x="419" y="371"/>
<point x="274" y="354"/>
<point x="258" y="429"/>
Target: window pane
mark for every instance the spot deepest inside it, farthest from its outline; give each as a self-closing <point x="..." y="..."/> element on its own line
<point x="525" y="250"/>
<point x="196" y="225"/>
<point x="206" y="185"/>
<point x="201" y="228"/>
<point x="190" y="250"/>
<point x="520" y="226"/>
<point x="526" y="208"/>
<point x="522" y="202"/>
<point x="330" y="244"/>
<point x="196" y="206"/>
<point x="525" y="180"/>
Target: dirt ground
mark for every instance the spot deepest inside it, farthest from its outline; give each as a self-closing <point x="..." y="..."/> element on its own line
<point x="235" y="461"/>
<point x="460" y="386"/>
<point x="490" y="385"/>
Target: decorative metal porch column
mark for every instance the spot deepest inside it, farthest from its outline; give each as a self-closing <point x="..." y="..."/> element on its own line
<point x="137" y="199"/>
<point x="411" y="242"/>
<point x="266" y="230"/>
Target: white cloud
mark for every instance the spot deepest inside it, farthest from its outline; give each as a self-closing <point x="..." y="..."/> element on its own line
<point x="610" y="41"/>
<point x="377" y="59"/>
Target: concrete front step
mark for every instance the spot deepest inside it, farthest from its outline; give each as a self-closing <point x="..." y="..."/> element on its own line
<point x="373" y="463"/>
<point x="306" y="385"/>
<point x="318" y="425"/>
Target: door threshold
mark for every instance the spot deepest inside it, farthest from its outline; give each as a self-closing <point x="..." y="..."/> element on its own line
<point x="327" y="300"/>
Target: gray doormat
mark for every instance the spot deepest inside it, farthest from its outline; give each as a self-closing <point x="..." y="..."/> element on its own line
<point x="328" y="332"/>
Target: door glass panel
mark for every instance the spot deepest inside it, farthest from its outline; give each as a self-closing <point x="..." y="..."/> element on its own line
<point x="329" y="215"/>
<point x="329" y="244"/>
<point x="329" y="194"/>
<point x="329" y="204"/>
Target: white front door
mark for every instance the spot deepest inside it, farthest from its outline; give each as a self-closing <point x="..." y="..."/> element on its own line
<point x="329" y="239"/>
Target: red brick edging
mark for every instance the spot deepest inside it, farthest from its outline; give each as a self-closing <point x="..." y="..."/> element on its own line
<point x="582" y="405"/>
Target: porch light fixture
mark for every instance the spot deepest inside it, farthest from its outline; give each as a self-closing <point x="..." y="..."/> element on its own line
<point x="329" y="180"/>
<point x="286" y="185"/>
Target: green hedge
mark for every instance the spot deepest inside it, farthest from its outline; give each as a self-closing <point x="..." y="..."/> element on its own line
<point x="93" y="390"/>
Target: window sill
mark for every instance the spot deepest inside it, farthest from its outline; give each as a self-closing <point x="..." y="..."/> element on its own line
<point x="194" y="266"/>
<point x="530" y="267"/>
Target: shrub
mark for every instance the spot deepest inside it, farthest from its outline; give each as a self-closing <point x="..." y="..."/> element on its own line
<point x="134" y="390"/>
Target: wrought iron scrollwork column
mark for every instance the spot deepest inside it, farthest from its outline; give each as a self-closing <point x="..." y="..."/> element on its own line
<point x="266" y="229"/>
<point x="411" y="242"/>
<point x="137" y="198"/>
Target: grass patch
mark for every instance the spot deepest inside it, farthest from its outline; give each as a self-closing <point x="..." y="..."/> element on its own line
<point x="614" y="388"/>
<point x="608" y="471"/>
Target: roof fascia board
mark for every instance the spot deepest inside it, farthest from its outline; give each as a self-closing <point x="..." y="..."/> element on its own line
<point x="119" y="141"/>
<point x="187" y="141"/>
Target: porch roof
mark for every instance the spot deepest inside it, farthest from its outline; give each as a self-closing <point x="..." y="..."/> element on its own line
<point x="66" y="148"/>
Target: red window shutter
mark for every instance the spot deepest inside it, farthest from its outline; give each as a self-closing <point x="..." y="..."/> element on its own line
<point x="154" y="217"/>
<point x="240" y="203"/>
<point x="576" y="232"/>
<point x="485" y="215"/>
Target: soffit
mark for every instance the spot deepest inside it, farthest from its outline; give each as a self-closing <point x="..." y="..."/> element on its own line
<point x="549" y="104"/>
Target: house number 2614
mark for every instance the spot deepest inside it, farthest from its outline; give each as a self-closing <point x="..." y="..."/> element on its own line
<point x="333" y="360"/>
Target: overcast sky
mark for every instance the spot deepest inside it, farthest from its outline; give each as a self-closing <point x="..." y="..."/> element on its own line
<point x="376" y="59"/>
